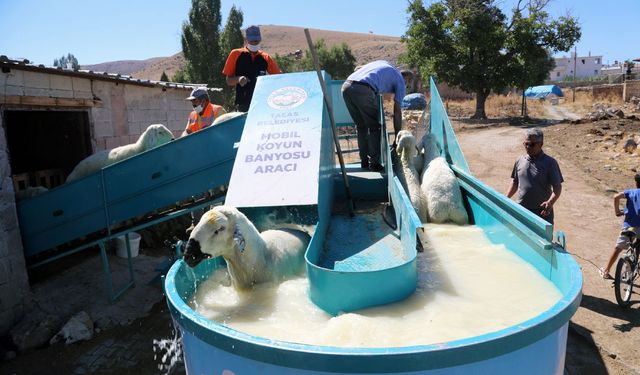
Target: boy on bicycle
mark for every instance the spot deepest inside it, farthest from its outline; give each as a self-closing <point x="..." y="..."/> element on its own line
<point x="631" y="220"/>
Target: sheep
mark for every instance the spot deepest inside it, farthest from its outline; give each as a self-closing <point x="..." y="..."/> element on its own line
<point x="406" y="149"/>
<point x="430" y="150"/>
<point x="155" y="135"/>
<point x="442" y="192"/>
<point x="252" y="257"/>
<point x="226" y="117"/>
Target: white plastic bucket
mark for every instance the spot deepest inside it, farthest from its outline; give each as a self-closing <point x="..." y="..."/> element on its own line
<point x="121" y="245"/>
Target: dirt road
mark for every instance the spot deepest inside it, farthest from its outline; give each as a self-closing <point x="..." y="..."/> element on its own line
<point x="603" y="337"/>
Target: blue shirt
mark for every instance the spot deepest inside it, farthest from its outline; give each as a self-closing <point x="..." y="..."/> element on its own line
<point x="383" y="77"/>
<point x="632" y="210"/>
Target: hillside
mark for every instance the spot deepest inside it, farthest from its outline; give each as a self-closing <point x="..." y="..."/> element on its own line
<point x="283" y="40"/>
<point x="125" y="67"/>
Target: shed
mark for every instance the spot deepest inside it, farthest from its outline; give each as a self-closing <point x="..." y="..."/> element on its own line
<point x="50" y="119"/>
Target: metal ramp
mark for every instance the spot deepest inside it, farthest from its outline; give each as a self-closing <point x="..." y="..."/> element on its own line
<point x="102" y="206"/>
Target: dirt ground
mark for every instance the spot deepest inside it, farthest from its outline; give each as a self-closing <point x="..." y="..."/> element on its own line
<point x="603" y="338"/>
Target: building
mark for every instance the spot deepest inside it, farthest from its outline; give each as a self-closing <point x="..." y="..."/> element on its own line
<point x="50" y="119"/>
<point x="584" y="66"/>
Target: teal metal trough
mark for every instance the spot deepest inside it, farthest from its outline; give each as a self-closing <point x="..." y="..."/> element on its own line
<point x="535" y="346"/>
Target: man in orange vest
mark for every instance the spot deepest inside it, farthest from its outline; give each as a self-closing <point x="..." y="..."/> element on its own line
<point x="203" y="112"/>
<point x="244" y="66"/>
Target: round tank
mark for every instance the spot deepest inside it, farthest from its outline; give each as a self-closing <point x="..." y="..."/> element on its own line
<point x="536" y="346"/>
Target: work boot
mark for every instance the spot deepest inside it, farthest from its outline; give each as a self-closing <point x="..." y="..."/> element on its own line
<point x="375" y="167"/>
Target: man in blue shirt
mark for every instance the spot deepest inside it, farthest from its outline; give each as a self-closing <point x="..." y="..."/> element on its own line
<point x="631" y="220"/>
<point x="360" y="92"/>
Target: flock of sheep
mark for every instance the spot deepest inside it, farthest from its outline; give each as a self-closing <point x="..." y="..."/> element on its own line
<point x="254" y="257"/>
<point x="428" y="180"/>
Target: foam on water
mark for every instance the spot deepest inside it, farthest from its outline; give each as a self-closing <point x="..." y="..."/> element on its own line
<point x="466" y="287"/>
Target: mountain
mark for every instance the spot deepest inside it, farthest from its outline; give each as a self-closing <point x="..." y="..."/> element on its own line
<point x="125" y="67"/>
<point x="281" y="40"/>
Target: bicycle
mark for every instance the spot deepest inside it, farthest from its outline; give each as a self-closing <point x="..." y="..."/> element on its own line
<point x="627" y="270"/>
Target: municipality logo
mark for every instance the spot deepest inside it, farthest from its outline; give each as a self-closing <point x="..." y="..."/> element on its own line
<point x="287" y="97"/>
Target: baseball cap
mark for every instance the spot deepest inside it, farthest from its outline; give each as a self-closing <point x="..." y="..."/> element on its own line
<point x="406" y="72"/>
<point x="252" y="34"/>
<point x="198" y="92"/>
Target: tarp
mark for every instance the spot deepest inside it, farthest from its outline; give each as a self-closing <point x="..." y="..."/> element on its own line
<point x="543" y="91"/>
<point x="414" y="101"/>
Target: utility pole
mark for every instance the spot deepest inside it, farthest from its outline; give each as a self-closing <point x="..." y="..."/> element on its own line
<point x="575" y="58"/>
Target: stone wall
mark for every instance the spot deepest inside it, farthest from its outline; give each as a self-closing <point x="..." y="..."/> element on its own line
<point x="118" y="113"/>
<point x="631" y="89"/>
<point x="14" y="285"/>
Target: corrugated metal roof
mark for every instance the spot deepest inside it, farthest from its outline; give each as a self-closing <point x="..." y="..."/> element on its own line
<point x="6" y="63"/>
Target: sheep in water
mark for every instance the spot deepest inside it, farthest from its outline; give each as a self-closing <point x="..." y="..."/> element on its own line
<point x="155" y="135"/>
<point x="252" y="257"/>
<point x="409" y="176"/>
<point x="440" y="187"/>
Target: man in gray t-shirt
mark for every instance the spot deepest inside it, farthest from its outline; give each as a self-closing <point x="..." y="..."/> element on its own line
<point x="536" y="177"/>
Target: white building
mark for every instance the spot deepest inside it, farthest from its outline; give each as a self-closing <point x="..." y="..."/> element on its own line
<point x="584" y="66"/>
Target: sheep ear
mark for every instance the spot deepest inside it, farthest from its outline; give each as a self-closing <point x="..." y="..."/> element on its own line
<point x="238" y="238"/>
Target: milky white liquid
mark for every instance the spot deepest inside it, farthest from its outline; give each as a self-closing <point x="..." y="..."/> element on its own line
<point x="466" y="287"/>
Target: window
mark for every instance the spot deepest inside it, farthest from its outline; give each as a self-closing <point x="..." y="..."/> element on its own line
<point x="557" y="74"/>
<point x="597" y="61"/>
<point x="582" y="61"/>
<point x="595" y="72"/>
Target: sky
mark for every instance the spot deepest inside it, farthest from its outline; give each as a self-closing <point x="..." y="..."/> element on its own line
<point x="97" y="31"/>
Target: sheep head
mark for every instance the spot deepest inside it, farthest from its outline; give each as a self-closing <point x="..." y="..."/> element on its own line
<point x="406" y="144"/>
<point x="215" y="235"/>
<point x="154" y="136"/>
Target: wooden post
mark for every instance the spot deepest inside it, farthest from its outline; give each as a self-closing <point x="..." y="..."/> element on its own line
<point x="334" y="130"/>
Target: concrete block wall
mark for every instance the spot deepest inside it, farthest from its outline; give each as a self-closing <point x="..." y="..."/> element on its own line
<point x="14" y="283"/>
<point x="631" y="89"/>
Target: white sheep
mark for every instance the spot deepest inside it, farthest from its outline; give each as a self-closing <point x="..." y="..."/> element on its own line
<point x="226" y="117"/>
<point x="430" y="150"/>
<point x="442" y="192"/>
<point x="154" y="136"/>
<point x="406" y="149"/>
<point x="252" y="257"/>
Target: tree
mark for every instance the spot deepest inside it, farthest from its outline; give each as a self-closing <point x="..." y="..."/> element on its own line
<point x="533" y="39"/>
<point x="201" y="44"/>
<point x="67" y="62"/>
<point x="338" y="60"/>
<point x="288" y="63"/>
<point x="472" y="45"/>
<point x="231" y="36"/>
<point x="164" y="77"/>
<point x="230" y="39"/>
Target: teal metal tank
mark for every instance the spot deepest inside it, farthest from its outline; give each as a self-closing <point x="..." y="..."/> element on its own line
<point x="536" y="346"/>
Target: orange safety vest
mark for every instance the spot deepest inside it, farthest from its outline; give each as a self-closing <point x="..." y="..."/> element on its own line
<point x="197" y="122"/>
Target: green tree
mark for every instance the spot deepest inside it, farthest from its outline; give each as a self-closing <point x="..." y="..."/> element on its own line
<point x="67" y="62"/>
<point x="533" y="39"/>
<point x="181" y="76"/>
<point x="472" y="45"/>
<point x="338" y="60"/>
<point x="201" y="44"/>
<point x="164" y="77"/>
<point x="288" y="63"/>
<point x="230" y="39"/>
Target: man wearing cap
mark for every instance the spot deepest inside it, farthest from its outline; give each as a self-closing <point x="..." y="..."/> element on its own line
<point x="203" y="112"/>
<point x="360" y="92"/>
<point x="245" y="64"/>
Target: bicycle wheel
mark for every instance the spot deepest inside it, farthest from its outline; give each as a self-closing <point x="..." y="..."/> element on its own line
<point x="623" y="283"/>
